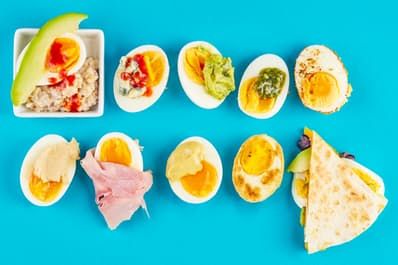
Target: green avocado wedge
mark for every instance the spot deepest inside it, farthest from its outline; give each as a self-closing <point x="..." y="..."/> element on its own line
<point x="301" y="162"/>
<point x="32" y="66"/>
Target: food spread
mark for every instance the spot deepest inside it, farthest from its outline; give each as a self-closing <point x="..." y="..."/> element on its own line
<point x="56" y="72"/>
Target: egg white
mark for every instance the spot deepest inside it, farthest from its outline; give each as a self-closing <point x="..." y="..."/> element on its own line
<point x="301" y="202"/>
<point x="141" y="103"/>
<point x="211" y="155"/>
<point x="133" y="146"/>
<point x="326" y="61"/>
<point x="253" y="70"/>
<point x="28" y="166"/>
<point x="82" y="58"/>
<point x="195" y="92"/>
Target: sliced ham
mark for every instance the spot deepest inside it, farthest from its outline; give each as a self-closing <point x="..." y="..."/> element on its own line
<point x="119" y="189"/>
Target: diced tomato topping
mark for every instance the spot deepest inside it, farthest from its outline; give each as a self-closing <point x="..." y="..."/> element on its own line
<point x="140" y="77"/>
<point x="74" y="103"/>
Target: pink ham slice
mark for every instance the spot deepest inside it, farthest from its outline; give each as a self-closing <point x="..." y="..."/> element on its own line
<point x="119" y="190"/>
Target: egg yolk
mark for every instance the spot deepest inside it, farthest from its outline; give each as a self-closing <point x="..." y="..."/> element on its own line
<point x="44" y="191"/>
<point x="194" y="62"/>
<point x="301" y="187"/>
<point x="155" y="65"/>
<point x="320" y="90"/>
<point x="62" y="55"/>
<point x="256" y="156"/>
<point x="115" y="150"/>
<point x="251" y="101"/>
<point x="373" y="185"/>
<point x="202" y="183"/>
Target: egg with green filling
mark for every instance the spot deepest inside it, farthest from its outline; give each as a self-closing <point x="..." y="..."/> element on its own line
<point x="206" y="76"/>
<point x="264" y="87"/>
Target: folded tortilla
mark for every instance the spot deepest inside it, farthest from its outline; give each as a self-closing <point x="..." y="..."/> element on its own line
<point x="340" y="205"/>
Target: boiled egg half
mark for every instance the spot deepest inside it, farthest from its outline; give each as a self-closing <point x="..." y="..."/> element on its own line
<point x="191" y="63"/>
<point x="116" y="147"/>
<point x="48" y="169"/>
<point x="194" y="170"/>
<point x="258" y="168"/>
<point x="65" y="57"/>
<point x="321" y="79"/>
<point x="264" y="87"/>
<point x="141" y="78"/>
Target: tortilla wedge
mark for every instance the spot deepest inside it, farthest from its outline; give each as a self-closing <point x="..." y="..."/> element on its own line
<point x="340" y="205"/>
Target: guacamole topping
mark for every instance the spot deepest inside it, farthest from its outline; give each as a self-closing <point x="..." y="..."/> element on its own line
<point x="270" y="82"/>
<point x="219" y="76"/>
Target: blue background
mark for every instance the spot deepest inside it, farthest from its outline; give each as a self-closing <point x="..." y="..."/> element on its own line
<point x="226" y="229"/>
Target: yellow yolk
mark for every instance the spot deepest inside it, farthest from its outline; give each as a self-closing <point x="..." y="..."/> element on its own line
<point x="155" y="64"/>
<point x="320" y="90"/>
<point x="115" y="150"/>
<point x="194" y="62"/>
<point x="44" y="191"/>
<point x="301" y="187"/>
<point x="250" y="100"/>
<point x="256" y="155"/>
<point x="202" y="183"/>
<point x="373" y="185"/>
<point x="63" y="54"/>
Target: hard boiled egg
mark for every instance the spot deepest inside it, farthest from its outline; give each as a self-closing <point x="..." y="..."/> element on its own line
<point x="321" y="79"/>
<point x="301" y="179"/>
<point x="65" y="57"/>
<point x="194" y="170"/>
<point x="192" y="80"/>
<point x="249" y="99"/>
<point x="258" y="168"/>
<point x="138" y="86"/>
<point x="119" y="148"/>
<point x="47" y="192"/>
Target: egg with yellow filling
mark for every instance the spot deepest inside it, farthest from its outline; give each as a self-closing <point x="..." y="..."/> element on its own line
<point x="370" y="178"/>
<point x="119" y="148"/>
<point x="194" y="170"/>
<point x="321" y="79"/>
<point x="258" y="168"/>
<point x="250" y="99"/>
<point x="48" y="169"/>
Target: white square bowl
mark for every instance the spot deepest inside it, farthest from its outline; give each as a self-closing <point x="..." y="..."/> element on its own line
<point x="94" y="41"/>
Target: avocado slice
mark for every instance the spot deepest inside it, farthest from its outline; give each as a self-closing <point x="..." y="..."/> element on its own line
<point x="301" y="162"/>
<point x="32" y="66"/>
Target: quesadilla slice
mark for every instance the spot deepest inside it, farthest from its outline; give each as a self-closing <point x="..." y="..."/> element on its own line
<point x="340" y="198"/>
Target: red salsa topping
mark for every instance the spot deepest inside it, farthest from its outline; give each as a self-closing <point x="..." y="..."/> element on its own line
<point x="139" y="77"/>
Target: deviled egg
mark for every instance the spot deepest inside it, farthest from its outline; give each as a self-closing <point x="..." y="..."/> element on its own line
<point x="48" y="169"/>
<point x="194" y="170"/>
<point x="258" y="168"/>
<point x="119" y="148"/>
<point x="205" y="75"/>
<point x="141" y="78"/>
<point x="321" y="79"/>
<point x="264" y="86"/>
